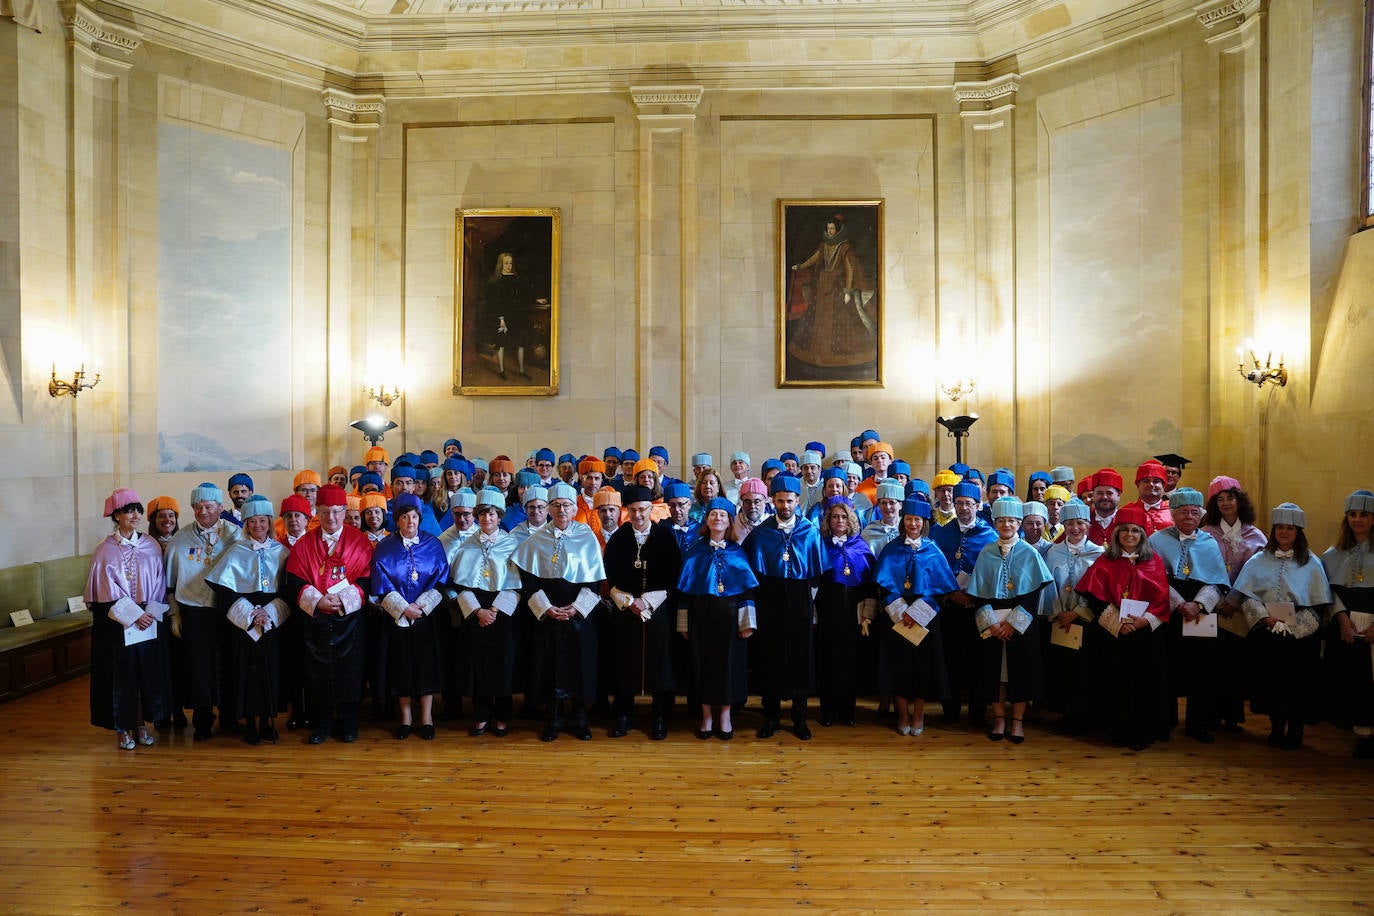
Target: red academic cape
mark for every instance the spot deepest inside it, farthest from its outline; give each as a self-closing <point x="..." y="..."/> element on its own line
<point x="1111" y="579"/>
<point x="312" y="564"/>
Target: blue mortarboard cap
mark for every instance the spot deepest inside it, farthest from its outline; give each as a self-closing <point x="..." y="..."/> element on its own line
<point x="814" y="446"/>
<point x="629" y="455"/>
<point x="659" y="451"/>
<point x="1075" y="508"/>
<point x="1003" y="477"/>
<point x="914" y="505"/>
<point x="545" y="454"/>
<point x="1040" y="475"/>
<point x="429" y="456"/>
<point x="611" y="452"/>
<point x="526" y="478"/>
<point x="677" y="491"/>
<point x="869" y="434"/>
<point x="959" y="468"/>
<point x="973" y="474"/>
<point x="899" y="467"/>
<point x="206" y="492"/>
<point x="242" y="480"/>
<point x="967" y="489"/>
<point x="1007" y="507"/>
<point x="369" y="477"/>
<point x="567" y="458"/>
<point x="772" y="464"/>
<point x="786" y="456"/>
<point x="917" y="485"/>
<point x="722" y="504"/>
<point x="891" y="489"/>
<point x="448" y="442"/>
<point x="784" y="483"/>
<point x="406" y="501"/>
<point x="404" y="470"/>
<point x="357" y="469"/>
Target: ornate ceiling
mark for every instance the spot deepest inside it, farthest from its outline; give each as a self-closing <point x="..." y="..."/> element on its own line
<point x="445" y="48"/>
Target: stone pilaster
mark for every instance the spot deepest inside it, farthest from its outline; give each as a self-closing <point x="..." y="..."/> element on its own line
<point x="667" y="254"/>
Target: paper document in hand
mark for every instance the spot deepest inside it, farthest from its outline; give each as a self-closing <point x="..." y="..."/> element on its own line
<point x="1070" y="639"/>
<point x="913" y="634"/>
<point x="1361" y="621"/>
<point x="1110" y="620"/>
<point x="1133" y="607"/>
<point x="1204" y="625"/>
<point x="133" y="635"/>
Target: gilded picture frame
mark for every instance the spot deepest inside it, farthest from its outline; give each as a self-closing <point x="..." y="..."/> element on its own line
<point x="830" y="296"/>
<point x="505" y="324"/>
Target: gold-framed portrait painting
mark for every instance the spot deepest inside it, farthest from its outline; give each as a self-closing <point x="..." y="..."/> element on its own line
<point x="506" y="301"/>
<point x="830" y="271"/>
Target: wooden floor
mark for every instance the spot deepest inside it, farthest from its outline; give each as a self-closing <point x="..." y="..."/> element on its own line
<point x="857" y="820"/>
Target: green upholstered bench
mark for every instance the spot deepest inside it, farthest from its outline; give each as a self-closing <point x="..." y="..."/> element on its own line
<point x="57" y="645"/>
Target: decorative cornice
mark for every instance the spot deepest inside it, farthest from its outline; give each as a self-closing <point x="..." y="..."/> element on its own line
<point x="86" y="29"/>
<point x="347" y="109"/>
<point x="1227" y="13"/>
<point x="988" y="95"/>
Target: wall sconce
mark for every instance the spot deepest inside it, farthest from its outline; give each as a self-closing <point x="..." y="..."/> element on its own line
<point x="374" y="428"/>
<point x="1259" y="375"/>
<point x="959" y="390"/>
<point x="58" y="387"/>
<point x="383" y="394"/>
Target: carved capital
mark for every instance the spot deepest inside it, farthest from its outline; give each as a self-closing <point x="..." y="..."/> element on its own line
<point x="98" y="36"/>
<point x="666" y="100"/>
<point x="349" y="109"/>
<point x="987" y="96"/>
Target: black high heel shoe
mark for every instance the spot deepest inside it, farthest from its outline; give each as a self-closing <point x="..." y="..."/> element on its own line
<point x="994" y="735"/>
<point x="1017" y="739"/>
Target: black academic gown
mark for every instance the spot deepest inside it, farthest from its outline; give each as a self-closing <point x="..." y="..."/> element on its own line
<point x="642" y="651"/>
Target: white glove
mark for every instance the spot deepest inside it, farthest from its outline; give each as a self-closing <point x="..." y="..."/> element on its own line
<point x="1281" y="629"/>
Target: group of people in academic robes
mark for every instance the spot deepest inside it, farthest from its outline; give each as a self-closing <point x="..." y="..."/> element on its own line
<point x="819" y="585"/>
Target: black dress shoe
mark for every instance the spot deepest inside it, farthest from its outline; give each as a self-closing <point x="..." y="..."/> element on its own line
<point x="268" y="732"/>
<point x="659" y="730"/>
<point x="251" y="736"/>
<point x="826" y="721"/>
<point x="319" y="735"/>
<point x="802" y="731"/>
<point x="703" y="733"/>
<point x="349" y="735"/>
<point x="201" y="734"/>
<point x="500" y="731"/>
<point x="581" y="733"/>
<point x="622" y="728"/>
<point x="550" y="733"/>
<point x="851" y="723"/>
<point x="769" y="729"/>
<point x="478" y="731"/>
<point x="427" y="732"/>
<point x="723" y="735"/>
<point x="403" y="732"/>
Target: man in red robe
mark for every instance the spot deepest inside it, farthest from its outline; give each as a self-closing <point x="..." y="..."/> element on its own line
<point x="327" y="578"/>
<point x="1105" y="497"/>
<point x="1150" y="482"/>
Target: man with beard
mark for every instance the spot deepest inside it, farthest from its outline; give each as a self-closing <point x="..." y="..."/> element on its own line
<point x="786" y="556"/>
<point x="1105" y="496"/>
<point x="753" y="503"/>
